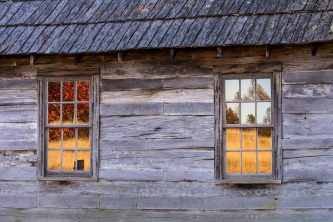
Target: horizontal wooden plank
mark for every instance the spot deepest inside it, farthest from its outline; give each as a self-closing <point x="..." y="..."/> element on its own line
<point x="17" y="72"/>
<point x="18" y="131"/>
<point x="158" y="96"/>
<point x="23" y="144"/>
<point x="307" y="105"/>
<point x="247" y="68"/>
<point x="130" y="84"/>
<point x="18" y="159"/>
<point x="307" y="125"/>
<point x="118" y="202"/>
<point x="18" y="84"/>
<point x="308" y="143"/>
<point x="18" y="97"/>
<point x="17" y="201"/>
<point x="299" y="153"/>
<point x="109" y="145"/>
<point x="192" y="109"/>
<point x="18" y="114"/>
<point x="189" y="83"/>
<point x="100" y="215"/>
<point x="157" y="127"/>
<point x="67" y="69"/>
<point x="162" y="202"/>
<point x="153" y="70"/>
<point x="18" y="173"/>
<point x="131" y="174"/>
<point x="239" y="203"/>
<point x="170" y="159"/>
<point x="153" y="144"/>
<point x="308" y="91"/>
<point x="308" y="169"/>
<point x="131" y="109"/>
<point x="68" y="201"/>
<point x="204" y="175"/>
<point x="310" y="77"/>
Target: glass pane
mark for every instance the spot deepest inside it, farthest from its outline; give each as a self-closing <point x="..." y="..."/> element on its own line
<point x="233" y="139"/>
<point x="247" y="89"/>
<point x="264" y="112"/>
<point x="69" y="138"/>
<point x="265" y="162"/>
<point x="83" y="160"/>
<point x="248" y="113"/>
<point x="233" y="162"/>
<point x="264" y="138"/>
<point x="232" y="91"/>
<point x="68" y="114"/>
<point x="68" y="91"/>
<point x="54" y="138"/>
<point x="249" y="137"/>
<point x="232" y="113"/>
<point x="83" y="113"/>
<point x="53" y="160"/>
<point x="83" y="91"/>
<point x="263" y="89"/>
<point x="68" y="160"/>
<point x="249" y="163"/>
<point x="54" y="113"/>
<point x="54" y="91"/>
<point x="83" y="138"/>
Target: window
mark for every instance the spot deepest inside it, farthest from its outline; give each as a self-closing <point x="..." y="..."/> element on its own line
<point x="247" y="146"/>
<point x="69" y="117"/>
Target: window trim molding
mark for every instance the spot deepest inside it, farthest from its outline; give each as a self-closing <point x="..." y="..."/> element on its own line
<point x="41" y="151"/>
<point x="218" y="121"/>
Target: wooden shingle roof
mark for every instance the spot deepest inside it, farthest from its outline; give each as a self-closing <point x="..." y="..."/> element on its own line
<point x="95" y="26"/>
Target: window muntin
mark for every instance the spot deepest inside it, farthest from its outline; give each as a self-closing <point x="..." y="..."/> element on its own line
<point x="247" y="126"/>
<point x="68" y="127"/>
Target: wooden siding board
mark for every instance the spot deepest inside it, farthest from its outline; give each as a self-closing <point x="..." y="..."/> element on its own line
<point x="18" y="173"/>
<point x="308" y="77"/>
<point x="195" y="109"/>
<point x="68" y="201"/>
<point x="130" y="109"/>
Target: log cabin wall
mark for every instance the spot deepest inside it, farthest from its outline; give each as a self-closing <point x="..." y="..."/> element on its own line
<point x="157" y="138"/>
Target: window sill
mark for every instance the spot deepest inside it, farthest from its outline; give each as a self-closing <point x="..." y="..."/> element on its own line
<point x="249" y="181"/>
<point x="69" y="179"/>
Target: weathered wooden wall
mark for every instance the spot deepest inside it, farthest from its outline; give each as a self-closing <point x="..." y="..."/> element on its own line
<point x="157" y="139"/>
